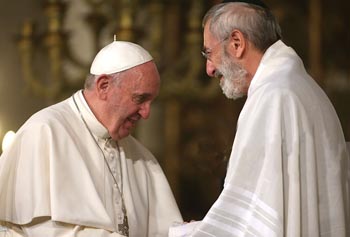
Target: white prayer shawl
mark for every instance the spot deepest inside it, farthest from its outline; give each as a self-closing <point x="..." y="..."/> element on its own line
<point x="287" y="174"/>
<point x="54" y="168"/>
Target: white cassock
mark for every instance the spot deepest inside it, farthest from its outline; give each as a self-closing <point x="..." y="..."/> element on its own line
<point x="288" y="170"/>
<point x="54" y="180"/>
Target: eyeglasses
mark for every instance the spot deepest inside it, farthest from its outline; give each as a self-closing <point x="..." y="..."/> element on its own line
<point x="206" y="52"/>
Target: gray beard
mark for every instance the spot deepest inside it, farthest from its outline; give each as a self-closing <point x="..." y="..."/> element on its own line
<point x="234" y="82"/>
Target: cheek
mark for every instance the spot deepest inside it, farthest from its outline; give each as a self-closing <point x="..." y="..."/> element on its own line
<point x="119" y="108"/>
<point x="131" y="108"/>
<point x="123" y="115"/>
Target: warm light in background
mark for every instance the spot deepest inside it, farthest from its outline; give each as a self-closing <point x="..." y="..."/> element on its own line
<point x="8" y="139"/>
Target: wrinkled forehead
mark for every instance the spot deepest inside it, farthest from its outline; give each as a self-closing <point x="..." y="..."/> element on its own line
<point x="142" y="77"/>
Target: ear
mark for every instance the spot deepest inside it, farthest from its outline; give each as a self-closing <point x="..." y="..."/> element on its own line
<point x="238" y="43"/>
<point x="103" y="84"/>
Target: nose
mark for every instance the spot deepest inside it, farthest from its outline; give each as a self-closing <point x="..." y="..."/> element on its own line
<point x="145" y="110"/>
<point x="210" y="68"/>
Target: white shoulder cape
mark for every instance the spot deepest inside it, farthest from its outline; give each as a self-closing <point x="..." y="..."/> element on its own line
<point x="55" y="169"/>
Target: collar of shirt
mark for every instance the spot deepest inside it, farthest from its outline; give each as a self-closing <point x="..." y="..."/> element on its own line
<point x="94" y="125"/>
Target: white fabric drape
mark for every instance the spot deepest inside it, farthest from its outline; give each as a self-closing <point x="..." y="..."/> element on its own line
<point x="287" y="174"/>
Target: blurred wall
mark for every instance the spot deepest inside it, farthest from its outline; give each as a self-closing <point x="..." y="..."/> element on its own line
<point x="16" y="105"/>
<point x="205" y="128"/>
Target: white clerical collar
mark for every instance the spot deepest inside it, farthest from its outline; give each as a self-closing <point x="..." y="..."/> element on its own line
<point x="94" y="125"/>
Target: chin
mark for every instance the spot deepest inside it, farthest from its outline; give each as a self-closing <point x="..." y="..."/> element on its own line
<point x="124" y="133"/>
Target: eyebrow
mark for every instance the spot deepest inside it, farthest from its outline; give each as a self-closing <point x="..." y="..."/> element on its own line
<point x="143" y="96"/>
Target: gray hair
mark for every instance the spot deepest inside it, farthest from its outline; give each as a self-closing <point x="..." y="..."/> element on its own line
<point x="89" y="81"/>
<point x="257" y="24"/>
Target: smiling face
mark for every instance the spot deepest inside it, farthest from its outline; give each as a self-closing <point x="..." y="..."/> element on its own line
<point x="222" y="65"/>
<point x="129" y="99"/>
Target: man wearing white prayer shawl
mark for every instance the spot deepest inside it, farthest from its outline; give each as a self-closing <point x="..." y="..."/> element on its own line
<point x="288" y="170"/>
<point x="74" y="170"/>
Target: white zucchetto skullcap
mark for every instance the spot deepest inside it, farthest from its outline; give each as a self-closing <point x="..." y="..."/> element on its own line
<point x="119" y="56"/>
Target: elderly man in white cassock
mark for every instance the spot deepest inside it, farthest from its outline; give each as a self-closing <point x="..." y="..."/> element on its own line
<point x="288" y="173"/>
<point x="75" y="170"/>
